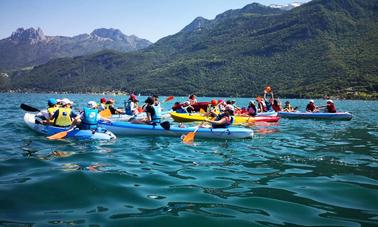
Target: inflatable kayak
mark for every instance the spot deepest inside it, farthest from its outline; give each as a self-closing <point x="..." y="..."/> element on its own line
<point x="184" y="117"/>
<point x="99" y="134"/>
<point x="317" y="115"/>
<point x="128" y="129"/>
<point x="125" y="117"/>
<point x="269" y="113"/>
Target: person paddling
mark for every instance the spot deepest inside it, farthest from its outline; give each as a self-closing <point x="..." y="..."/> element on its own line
<point x="64" y="116"/>
<point x="224" y="119"/>
<point x="311" y="107"/>
<point x="131" y="106"/>
<point x="153" y="113"/>
<point x="90" y="116"/>
<point x="330" y="107"/>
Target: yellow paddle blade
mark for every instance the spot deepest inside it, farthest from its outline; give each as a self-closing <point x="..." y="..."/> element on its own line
<point x="189" y="138"/>
<point x="57" y="136"/>
<point x="106" y="113"/>
<point x="202" y="111"/>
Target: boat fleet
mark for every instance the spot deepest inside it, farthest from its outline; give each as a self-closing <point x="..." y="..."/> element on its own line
<point x="122" y="124"/>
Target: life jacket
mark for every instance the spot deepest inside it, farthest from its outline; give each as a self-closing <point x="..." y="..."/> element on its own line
<point x="331" y="108"/>
<point x="157" y="116"/>
<point x="128" y="107"/>
<point x="310" y="107"/>
<point x="229" y="121"/>
<point x="90" y="118"/>
<point x="262" y="106"/>
<point x="51" y="111"/>
<point x="252" y="110"/>
<point x="64" y="117"/>
<point x="210" y="108"/>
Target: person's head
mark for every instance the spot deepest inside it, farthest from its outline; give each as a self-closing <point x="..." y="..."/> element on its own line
<point x="228" y="102"/>
<point x="311" y="101"/>
<point x="103" y="100"/>
<point x="111" y="101"/>
<point x="59" y="101"/>
<point x="258" y="99"/>
<point x="92" y="104"/>
<point x="150" y="101"/>
<point x="220" y="101"/>
<point x="133" y="98"/>
<point x="233" y="101"/>
<point x="229" y="109"/>
<point x="156" y="98"/>
<point x="66" y="102"/>
<point x="214" y="102"/>
<point x="192" y="97"/>
<point x="268" y="89"/>
<point x="329" y="101"/>
<point x="287" y="103"/>
<point x="51" y="102"/>
<point x="251" y="103"/>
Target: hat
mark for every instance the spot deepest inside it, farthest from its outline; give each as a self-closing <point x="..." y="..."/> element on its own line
<point x="66" y="101"/>
<point x="111" y="100"/>
<point x="230" y="107"/>
<point x="92" y="104"/>
<point x="220" y="101"/>
<point x="59" y="100"/>
<point x="103" y="100"/>
<point x="214" y="102"/>
<point x="133" y="97"/>
<point x="51" y="102"/>
<point x="312" y="101"/>
<point x="329" y="101"/>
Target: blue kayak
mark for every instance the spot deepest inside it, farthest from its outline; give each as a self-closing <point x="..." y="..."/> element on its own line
<point x="316" y="115"/>
<point x="99" y="134"/>
<point x="121" y="128"/>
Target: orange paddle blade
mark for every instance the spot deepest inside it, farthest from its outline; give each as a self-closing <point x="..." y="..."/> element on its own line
<point x="106" y="113"/>
<point x="57" y="136"/>
<point x="169" y="98"/>
<point x="189" y="138"/>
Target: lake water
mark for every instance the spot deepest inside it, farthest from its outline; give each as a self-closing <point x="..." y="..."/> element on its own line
<point x="296" y="172"/>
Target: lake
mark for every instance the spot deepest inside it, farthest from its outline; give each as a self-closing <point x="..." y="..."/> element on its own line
<point x="295" y="172"/>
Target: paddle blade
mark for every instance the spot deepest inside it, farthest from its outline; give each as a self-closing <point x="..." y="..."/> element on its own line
<point x="189" y="138"/>
<point x="106" y="113"/>
<point x="57" y="136"/>
<point x="169" y="98"/>
<point x="28" y="108"/>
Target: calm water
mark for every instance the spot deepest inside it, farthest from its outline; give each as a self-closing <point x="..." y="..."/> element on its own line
<point x="297" y="172"/>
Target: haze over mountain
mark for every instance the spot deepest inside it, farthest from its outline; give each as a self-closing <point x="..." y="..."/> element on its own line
<point x="29" y="47"/>
<point x="324" y="47"/>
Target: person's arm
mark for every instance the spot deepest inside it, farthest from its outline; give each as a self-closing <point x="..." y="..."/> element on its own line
<point x="219" y="122"/>
<point x="55" y="115"/>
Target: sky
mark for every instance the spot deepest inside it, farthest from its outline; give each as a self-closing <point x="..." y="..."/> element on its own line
<point x="149" y="19"/>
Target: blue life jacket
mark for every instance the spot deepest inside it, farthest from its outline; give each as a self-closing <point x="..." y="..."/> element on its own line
<point x="157" y="116"/>
<point x="128" y="107"/>
<point x="90" y="119"/>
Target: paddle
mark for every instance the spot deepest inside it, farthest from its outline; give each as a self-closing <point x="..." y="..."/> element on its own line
<point x="169" y="98"/>
<point x="29" y="108"/>
<point x="106" y="113"/>
<point x="189" y="137"/>
<point x="60" y="135"/>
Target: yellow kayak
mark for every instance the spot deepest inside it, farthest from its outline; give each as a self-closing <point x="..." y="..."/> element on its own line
<point x="186" y="117"/>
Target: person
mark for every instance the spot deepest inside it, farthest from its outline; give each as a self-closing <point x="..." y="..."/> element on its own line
<point x="192" y="99"/>
<point x="64" y="116"/>
<point x="153" y="113"/>
<point x="224" y="119"/>
<point x="261" y="106"/>
<point x="212" y="109"/>
<point x="330" y="107"/>
<point x="131" y="105"/>
<point x="268" y="98"/>
<point x="251" y="109"/>
<point x="311" y="107"/>
<point x="110" y="105"/>
<point x="187" y="107"/>
<point x="221" y="105"/>
<point x="90" y="116"/>
<point x="178" y="108"/>
<point x="277" y="106"/>
<point x="102" y="105"/>
<point x="52" y="107"/>
<point x="288" y="107"/>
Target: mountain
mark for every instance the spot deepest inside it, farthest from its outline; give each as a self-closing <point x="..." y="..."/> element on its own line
<point x="324" y="47"/>
<point x="30" y="47"/>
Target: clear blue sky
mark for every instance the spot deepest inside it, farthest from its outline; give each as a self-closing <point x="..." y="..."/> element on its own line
<point x="150" y="19"/>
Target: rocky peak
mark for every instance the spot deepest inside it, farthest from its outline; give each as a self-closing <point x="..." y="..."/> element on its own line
<point x="197" y="25"/>
<point x="111" y="33"/>
<point x="29" y="35"/>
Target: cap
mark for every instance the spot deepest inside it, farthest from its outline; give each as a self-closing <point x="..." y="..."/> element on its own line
<point x="329" y="101"/>
<point x="214" y="102"/>
<point x="220" y="101"/>
<point x="312" y="101"/>
<point x="66" y="101"/>
<point x="230" y="107"/>
<point x="133" y="97"/>
<point x="59" y="101"/>
<point x="103" y="100"/>
<point x="51" y="102"/>
<point x="92" y="104"/>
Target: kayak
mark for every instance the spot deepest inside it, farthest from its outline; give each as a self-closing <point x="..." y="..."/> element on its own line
<point x="121" y="128"/>
<point x="99" y="134"/>
<point x="185" y="117"/>
<point x="125" y="117"/>
<point x="269" y="113"/>
<point x="317" y="115"/>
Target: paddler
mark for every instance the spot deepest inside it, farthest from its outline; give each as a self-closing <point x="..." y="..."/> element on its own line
<point x="64" y="116"/>
<point x="224" y="119"/>
<point x="90" y="116"/>
<point x="153" y="113"/>
<point x="131" y="105"/>
<point x="110" y="105"/>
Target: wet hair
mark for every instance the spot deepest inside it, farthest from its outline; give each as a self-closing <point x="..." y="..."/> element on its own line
<point x="150" y="100"/>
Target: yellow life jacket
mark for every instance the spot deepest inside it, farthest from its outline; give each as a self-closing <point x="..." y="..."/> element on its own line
<point x="64" y="117"/>
<point x="51" y="111"/>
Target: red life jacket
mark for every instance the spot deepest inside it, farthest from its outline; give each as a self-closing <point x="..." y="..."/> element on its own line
<point x="331" y="108"/>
